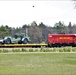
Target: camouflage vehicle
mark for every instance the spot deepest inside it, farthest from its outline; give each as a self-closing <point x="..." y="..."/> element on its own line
<point x="17" y="39"/>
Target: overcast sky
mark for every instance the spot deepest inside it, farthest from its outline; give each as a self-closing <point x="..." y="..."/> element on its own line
<point x="18" y="13"/>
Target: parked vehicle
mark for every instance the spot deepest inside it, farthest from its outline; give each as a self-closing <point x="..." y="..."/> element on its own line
<point x="18" y="39"/>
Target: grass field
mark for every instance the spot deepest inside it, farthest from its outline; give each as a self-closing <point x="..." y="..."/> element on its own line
<point x="38" y="64"/>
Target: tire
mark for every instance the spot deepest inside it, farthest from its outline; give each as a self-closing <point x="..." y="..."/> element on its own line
<point x="20" y="42"/>
<point x="25" y="41"/>
<point x="7" y="41"/>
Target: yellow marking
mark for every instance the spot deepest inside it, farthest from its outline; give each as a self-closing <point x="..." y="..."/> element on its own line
<point x="24" y="45"/>
<point x="64" y="37"/>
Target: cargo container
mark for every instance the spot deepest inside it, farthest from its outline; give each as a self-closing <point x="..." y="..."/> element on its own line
<point x="58" y="40"/>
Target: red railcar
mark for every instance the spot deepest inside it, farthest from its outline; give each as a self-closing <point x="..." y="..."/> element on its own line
<point x="61" y="39"/>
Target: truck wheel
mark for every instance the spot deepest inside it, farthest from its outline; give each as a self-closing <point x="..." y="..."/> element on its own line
<point x="20" y="42"/>
<point x="25" y="41"/>
<point x="7" y="41"/>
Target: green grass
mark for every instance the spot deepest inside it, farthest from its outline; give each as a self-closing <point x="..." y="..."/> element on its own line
<point x="55" y="49"/>
<point x="38" y="64"/>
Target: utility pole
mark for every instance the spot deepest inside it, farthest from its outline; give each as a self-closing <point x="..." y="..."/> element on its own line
<point x="26" y="31"/>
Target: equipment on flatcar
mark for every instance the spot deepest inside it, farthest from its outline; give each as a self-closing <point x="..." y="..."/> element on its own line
<point x="18" y="38"/>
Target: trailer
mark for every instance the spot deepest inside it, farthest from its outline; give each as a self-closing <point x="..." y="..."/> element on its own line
<point x="58" y="40"/>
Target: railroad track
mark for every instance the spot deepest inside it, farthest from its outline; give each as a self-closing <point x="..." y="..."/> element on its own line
<point x="22" y="45"/>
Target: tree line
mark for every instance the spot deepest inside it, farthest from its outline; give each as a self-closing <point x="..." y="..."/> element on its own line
<point x="38" y="33"/>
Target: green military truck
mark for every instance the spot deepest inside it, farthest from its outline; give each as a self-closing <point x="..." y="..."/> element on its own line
<point x="18" y="38"/>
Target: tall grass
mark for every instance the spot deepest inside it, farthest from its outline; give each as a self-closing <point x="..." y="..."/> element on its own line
<point x="62" y="49"/>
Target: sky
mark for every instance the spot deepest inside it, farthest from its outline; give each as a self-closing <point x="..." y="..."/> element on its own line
<point x="18" y="13"/>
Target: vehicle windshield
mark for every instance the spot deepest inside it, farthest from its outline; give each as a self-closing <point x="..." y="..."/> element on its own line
<point x="19" y="36"/>
<point x="15" y="36"/>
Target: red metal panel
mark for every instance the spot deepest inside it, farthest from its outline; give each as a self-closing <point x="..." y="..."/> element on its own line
<point x="75" y="39"/>
<point x="61" y="38"/>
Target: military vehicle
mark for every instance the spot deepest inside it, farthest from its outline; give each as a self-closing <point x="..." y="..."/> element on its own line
<point x="17" y="39"/>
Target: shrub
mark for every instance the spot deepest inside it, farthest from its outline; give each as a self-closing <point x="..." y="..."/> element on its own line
<point x="0" y="51"/>
<point x="47" y="50"/>
<point x="16" y="50"/>
<point x="5" y="51"/>
<point x="30" y="50"/>
<point x="74" y="49"/>
<point x="41" y="49"/>
<point x="44" y="50"/>
<point x="36" y="50"/>
<point x="54" y="49"/>
<point x="24" y="50"/>
<point x="60" y="50"/>
<point x="67" y="49"/>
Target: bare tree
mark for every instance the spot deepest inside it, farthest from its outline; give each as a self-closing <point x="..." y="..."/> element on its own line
<point x="35" y="33"/>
